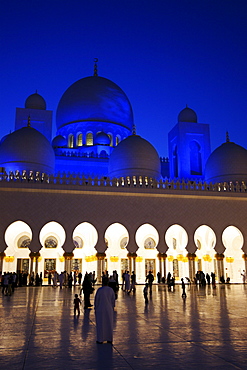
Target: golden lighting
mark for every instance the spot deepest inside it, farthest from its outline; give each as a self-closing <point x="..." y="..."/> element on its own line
<point x="207" y="258"/>
<point x="139" y="259"/>
<point x="114" y="259"/>
<point x="90" y="258"/>
<point x="39" y="259"/>
<point x="170" y="258"/>
<point x="229" y="259"/>
<point x="61" y="259"/>
<point x="9" y="258"/>
<point x="180" y="257"/>
<point x="185" y="259"/>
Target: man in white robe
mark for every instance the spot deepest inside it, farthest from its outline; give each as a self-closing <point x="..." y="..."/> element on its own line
<point x="104" y="303"/>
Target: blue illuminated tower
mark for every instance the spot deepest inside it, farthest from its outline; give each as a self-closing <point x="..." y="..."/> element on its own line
<point x="189" y="146"/>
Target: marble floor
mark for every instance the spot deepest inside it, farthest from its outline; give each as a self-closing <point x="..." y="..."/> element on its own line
<point x="207" y="330"/>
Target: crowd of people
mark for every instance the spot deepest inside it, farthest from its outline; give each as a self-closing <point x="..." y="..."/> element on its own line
<point x="106" y="295"/>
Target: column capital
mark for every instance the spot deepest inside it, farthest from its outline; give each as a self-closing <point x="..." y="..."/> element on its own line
<point x="34" y="255"/>
<point x="191" y="256"/>
<point x="219" y="256"/>
<point x="101" y="255"/>
<point x="162" y="256"/>
<point x="68" y="255"/>
<point x="132" y="255"/>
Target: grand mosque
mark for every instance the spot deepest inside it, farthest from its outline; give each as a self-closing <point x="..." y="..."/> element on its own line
<point x="98" y="197"/>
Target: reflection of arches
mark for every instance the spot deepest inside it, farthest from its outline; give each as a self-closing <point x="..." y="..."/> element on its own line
<point x="233" y="241"/>
<point x="50" y="231"/>
<point x="118" y="139"/>
<point x="195" y="158"/>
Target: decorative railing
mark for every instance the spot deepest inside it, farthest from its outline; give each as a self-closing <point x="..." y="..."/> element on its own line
<point x="122" y="182"/>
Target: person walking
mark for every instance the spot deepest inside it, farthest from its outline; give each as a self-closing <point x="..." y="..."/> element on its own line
<point x="87" y="290"/>
<point x="150" y="279"/>
<point x="77" y="303"/>
<point x="104" y="303"/>
<point x="183" y="288"/>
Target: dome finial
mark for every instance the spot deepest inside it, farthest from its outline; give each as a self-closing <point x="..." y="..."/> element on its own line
<point x="95" y="71"/>
<point x="227" y="137"/>
<point x="134" y="130"/>
<point x="29" y="121"/>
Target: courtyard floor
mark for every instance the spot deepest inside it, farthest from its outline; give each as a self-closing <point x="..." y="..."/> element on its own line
<point x="207" y="330"/>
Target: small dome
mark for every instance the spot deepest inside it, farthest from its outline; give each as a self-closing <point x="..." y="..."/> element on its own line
<point x="35" y="101"/>
<point x="59" y="142"/>
<point x="187" y="115"/>
<point x="134" y="156"/>
<point x="27" y="149"/>
<point x="227" y="163"/>
<point x="97" y="100"/>
<point x="102" y="138"/>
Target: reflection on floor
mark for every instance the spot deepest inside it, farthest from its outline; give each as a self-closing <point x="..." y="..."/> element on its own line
<point x="207" y="330"/>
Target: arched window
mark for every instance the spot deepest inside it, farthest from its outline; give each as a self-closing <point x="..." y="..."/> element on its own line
<point x="79" y="141"/>
<point x="24" y="242"/>
<point x="51" y="242"/>
<point x="103" y="154"/>
<point x="89" y="139"/>
<point x="71" y="141"/>
<point x="195" y="158"/>
<point x="118" y="139"/>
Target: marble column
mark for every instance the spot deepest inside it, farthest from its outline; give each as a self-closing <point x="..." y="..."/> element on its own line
<point x="68" y="257"/>
<point x="100" y="265"/>
<point x="192" y="272"/>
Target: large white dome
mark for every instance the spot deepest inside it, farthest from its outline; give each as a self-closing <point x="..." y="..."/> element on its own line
<point x="27" y="149"/>
<point x="97" y="100"/>
<point x="134" y="156"/>
<point x="227" y="163"/>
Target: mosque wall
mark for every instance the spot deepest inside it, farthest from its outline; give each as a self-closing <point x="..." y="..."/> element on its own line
<point x="100" y="206"/>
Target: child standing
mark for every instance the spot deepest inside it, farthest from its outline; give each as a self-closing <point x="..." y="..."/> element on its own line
<point x="145" y="293"/>
<point x="77" y="303"/>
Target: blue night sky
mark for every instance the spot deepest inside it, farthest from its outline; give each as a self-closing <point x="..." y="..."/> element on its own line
<point x="163" y="54"/>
